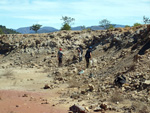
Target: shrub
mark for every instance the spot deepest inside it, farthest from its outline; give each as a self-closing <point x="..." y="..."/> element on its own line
<point x="1" y="32"/>
<point x="66" y="27"/>
<point x="136" y="24"/>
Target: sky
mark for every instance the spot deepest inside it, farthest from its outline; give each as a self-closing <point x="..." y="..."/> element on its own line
<point x="24" y="13"/>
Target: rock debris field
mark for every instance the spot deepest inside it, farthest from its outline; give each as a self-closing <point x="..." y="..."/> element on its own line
<point x="32" y="82"/>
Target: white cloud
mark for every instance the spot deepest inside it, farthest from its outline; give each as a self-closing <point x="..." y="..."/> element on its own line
<point x="84" y="11"/>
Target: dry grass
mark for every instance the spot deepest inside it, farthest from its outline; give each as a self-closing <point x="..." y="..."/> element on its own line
<point x="117" y="97"/>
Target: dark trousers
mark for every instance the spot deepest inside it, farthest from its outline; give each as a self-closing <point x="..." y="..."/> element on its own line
<point x="87" y="61"/>
<point x="80" y="59"/>
<point x="59" y="62"/>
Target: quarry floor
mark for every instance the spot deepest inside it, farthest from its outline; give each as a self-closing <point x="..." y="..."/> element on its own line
<point x="21" y="91"/>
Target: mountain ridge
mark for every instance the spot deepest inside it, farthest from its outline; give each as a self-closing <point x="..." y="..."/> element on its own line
<point x="48" y="29"/>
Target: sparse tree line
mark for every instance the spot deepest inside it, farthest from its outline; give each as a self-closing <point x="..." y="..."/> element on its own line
<point x="105" y="24"/>
<point x="68" y="21"/>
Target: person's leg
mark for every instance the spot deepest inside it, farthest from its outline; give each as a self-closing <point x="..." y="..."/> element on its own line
<point x="60" y="62"/>
<point x="80" y="59"/>
<point x="87" y="62"/>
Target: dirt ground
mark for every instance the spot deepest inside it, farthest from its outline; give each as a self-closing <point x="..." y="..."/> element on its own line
<point x="21" y="91"/>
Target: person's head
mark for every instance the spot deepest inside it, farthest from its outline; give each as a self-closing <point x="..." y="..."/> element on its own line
<point x="90" y="47"/>
<point x="60" y="49"/>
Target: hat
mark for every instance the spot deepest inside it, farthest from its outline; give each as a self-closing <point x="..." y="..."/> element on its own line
<point x="60" y="49"/>
<point x="90" y="47"/>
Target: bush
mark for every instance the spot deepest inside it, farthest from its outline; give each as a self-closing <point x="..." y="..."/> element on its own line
<point x="1" y="32"/>
<point x="136" y="24"/>
<point x="66" y="27"/>
<point x="111" y="26"/>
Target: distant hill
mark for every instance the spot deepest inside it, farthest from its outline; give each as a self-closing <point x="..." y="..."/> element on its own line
<point x="101" y="28"/>
<point x="26" y="30"/>
<point x="96" y="27"/>
<point x="117" y="25"/>
<point x="78" y="28"/>
<point x="5" y="30"/>
<point x="47" y="30"/>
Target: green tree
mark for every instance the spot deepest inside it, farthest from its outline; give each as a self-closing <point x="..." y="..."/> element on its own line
<point x="146" y="20"/>
<point x="67" y="22"/>
<point x="136" y="24"/>
<point x="5" y="30"/>
<point x="88" y="29"/>
<point x="66" y="27"/>
<point x="35" y="27"/>
<point x="111" y="26"/>
<point x="1" y="32"/>
<point x="105" y="24"/>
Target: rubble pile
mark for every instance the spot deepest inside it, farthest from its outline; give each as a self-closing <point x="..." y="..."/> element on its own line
<point x="115" y="52"/>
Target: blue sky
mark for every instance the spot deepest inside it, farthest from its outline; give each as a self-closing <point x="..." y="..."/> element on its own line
<point x="23" y="13"/>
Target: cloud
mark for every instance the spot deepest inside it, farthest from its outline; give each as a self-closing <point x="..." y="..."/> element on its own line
<point x="86" y="12"/>
<point x="87" y="8"/>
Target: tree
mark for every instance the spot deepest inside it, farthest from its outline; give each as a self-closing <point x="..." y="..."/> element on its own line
<point x="105" y="24"/>
<point x="146" y="20"/>
<point x="35" y="27"/>
<point x="111" y="26"/>
<point x="4" y="30"/>
<point x="1" y="32"/>
<point x="67" y="22"/>
<point x="66" y="27"/>
<point x="136" y="24"/>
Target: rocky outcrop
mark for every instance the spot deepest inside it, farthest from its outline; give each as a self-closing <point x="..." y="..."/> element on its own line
<point x="6" y="47"/>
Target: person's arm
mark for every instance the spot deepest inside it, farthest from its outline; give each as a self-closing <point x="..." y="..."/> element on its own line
<point x="58" y="55"/>
<point x="63" y="54"/>
<point x="90" y="55"/>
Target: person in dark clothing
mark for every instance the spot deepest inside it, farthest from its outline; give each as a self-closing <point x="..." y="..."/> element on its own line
<point x="60" y="56"/>
<point x="88" y="56"/>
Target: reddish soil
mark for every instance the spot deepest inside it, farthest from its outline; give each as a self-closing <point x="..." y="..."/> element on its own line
<point x="27" y="102"/>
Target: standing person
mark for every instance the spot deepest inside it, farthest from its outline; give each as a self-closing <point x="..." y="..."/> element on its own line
<point x="60" y="56"/>
<point x="80" y="52"/>
<point x="88" y="56"/>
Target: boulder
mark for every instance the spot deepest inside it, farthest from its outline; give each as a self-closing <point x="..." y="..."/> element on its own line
<point x="77" y="109"/>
